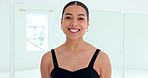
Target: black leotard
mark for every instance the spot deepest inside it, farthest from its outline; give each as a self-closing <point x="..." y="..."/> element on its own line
<point x="88" y="72"/>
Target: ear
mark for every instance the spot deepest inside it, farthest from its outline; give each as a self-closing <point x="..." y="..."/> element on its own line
<point x="87" y="24"/>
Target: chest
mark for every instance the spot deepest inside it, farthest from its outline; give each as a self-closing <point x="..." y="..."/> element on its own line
<point x="73" y="63"/>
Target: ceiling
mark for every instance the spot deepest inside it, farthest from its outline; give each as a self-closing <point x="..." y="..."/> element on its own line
<point x="132" y="6"/>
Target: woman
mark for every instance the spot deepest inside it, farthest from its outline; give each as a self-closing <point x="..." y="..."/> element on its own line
<point x="75" y="58"/>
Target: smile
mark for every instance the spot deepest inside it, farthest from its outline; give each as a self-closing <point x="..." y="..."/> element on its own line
<point x="73" y="30"/>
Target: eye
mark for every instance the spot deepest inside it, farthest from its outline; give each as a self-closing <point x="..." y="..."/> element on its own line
<point x="80" y="18"/>
<point x="68" y="18"/>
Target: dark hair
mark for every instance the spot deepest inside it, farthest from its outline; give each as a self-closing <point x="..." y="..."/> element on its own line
<point x="76" y="3"/>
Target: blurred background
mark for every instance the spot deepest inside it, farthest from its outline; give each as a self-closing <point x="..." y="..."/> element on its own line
<point x="30" y="28"/>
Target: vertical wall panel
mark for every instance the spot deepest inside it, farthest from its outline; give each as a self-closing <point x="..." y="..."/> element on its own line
<point x="28" y="62"/>
<point x="136" y="45"/>
<point x="4" y="41"/>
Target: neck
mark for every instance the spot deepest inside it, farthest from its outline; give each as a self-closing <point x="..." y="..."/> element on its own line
<point x="72" y="45"/>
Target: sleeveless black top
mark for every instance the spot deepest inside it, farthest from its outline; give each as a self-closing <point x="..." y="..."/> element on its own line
<point x="88" y="72"/>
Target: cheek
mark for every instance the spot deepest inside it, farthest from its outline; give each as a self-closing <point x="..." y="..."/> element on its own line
<point x="64" y="24"/>
<point x="85" y="25"/>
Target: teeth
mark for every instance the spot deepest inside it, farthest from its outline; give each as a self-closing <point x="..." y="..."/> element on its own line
<point x="74" y="29"/>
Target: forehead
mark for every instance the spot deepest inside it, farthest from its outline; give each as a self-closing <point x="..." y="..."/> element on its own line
<point x="75" y="9"/>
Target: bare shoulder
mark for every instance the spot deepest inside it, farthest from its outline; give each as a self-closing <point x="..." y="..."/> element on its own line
<point x="46" y="64"/>
<point x="46" y="58"/>
<point x="105" y="65"/>
<point x="103" y="57"/>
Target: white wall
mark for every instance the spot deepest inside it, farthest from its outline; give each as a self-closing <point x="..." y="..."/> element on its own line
<point x="4" y="37"/>
<point x="136" y="6"/>
<point x="136" y="41"/>
<point x="23" y="58"/>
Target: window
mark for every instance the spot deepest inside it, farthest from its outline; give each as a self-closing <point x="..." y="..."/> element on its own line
<point x="36" y="32"/>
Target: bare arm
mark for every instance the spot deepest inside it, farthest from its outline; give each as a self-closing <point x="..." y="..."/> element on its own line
<point x="105" y="67"/>
<point x="44" y="67"/>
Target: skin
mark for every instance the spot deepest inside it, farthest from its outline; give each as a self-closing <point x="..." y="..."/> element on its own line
<point x="75" y="53"/>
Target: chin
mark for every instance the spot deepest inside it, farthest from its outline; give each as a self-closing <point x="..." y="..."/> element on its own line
<point x="74" y="38"/>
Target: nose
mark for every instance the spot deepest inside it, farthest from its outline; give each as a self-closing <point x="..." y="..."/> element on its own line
<point x="74" y="22"/>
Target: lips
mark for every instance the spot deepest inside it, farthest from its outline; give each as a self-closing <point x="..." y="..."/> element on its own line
<point x="74" y="30"/>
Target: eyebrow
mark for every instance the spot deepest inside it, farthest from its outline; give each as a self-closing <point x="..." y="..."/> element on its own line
<point x="78" y="14"/>
<point x="81" y="14"/>
<point x="68" y="14"/>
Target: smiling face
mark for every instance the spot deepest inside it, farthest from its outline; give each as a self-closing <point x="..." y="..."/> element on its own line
<point x="74" y="22"/>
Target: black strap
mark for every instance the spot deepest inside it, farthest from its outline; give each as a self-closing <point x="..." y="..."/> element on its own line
<point x="54" y="58"/>
<point x="91" y="64"/>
